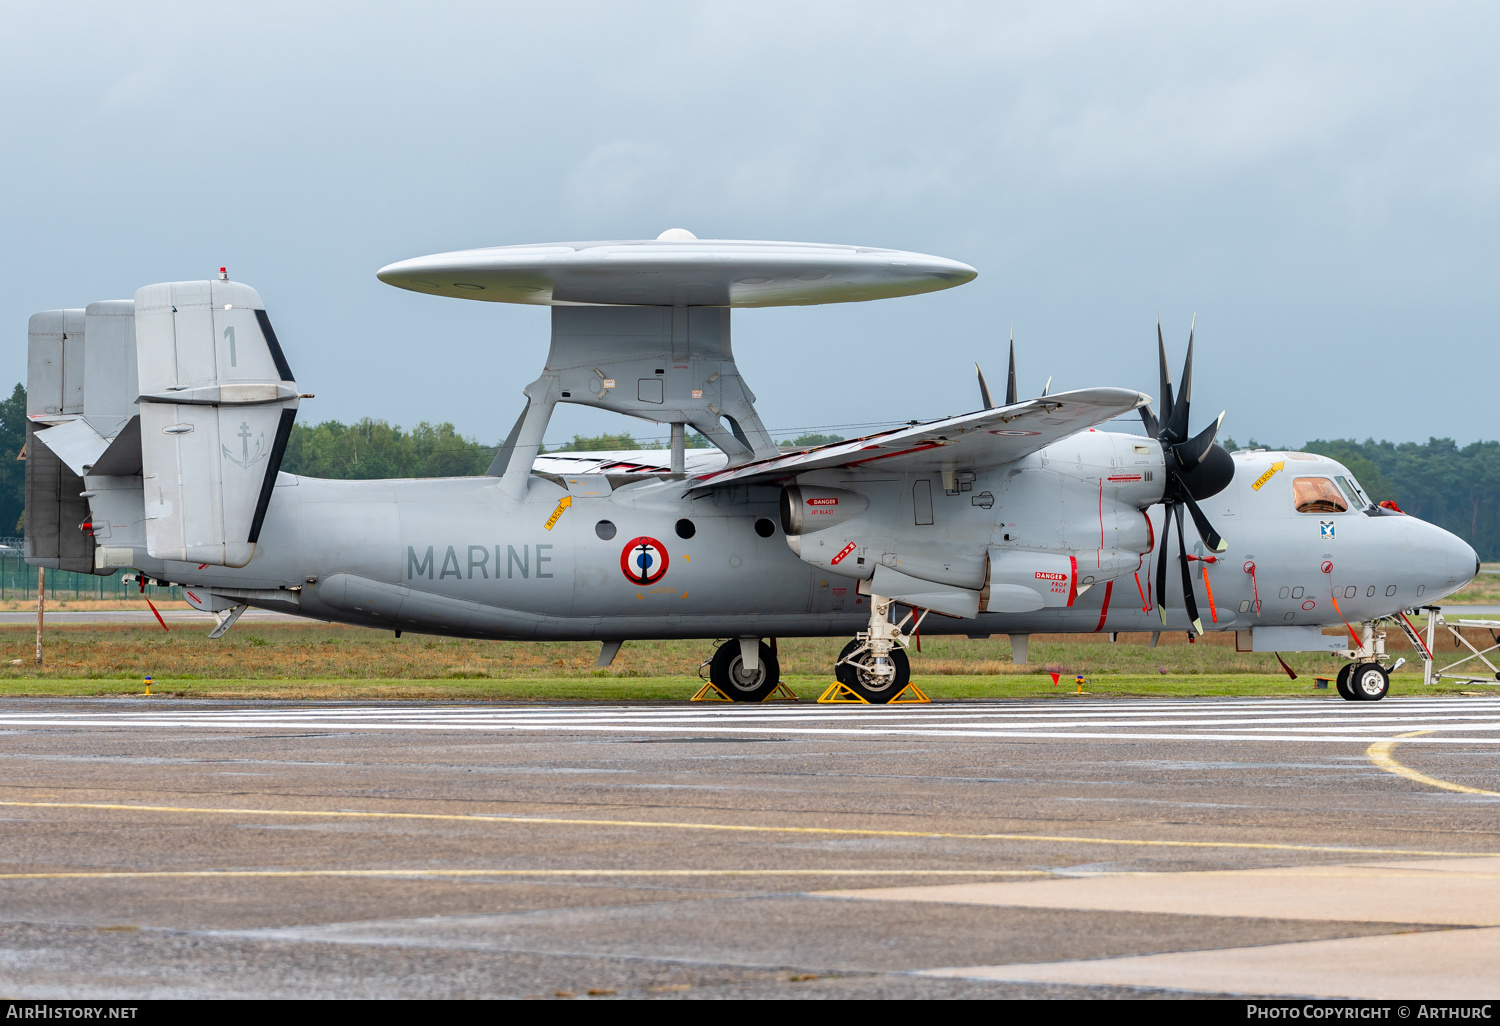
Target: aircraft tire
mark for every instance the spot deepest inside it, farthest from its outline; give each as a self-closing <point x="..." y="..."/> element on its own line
<point x="1369" y="682"/>
<point x="726" y="671"/>
<point x="860" y="682"/>
<point x="1342" y="682"/>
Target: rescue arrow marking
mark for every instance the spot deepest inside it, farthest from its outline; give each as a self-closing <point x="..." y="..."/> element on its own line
<point x="1267" y="476"/>
<point x="567" y="500"/>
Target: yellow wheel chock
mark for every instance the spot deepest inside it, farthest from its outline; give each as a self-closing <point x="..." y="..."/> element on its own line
<point x="842" y="694"/>
<point x="910" y="695"/>
<point x="711" y="692"/>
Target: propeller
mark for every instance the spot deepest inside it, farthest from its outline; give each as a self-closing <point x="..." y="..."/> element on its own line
<point x="1010" y="381"/>
<point x="1196" y="468"/>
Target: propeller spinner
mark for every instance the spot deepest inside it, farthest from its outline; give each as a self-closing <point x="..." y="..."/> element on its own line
<point x="1196" y="468"/>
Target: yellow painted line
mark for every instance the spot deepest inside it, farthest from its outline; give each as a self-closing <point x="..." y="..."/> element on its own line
<point x="1380" y="754"/>
<point x="741" y="828"/>
<point x="584" y="873"/>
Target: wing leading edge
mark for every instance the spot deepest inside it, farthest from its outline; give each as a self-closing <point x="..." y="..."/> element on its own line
<point x="985" y="438"/>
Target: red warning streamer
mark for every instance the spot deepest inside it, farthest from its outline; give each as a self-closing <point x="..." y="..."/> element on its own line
<point x="141" y="580"/>
<point x="1328" y="569"/>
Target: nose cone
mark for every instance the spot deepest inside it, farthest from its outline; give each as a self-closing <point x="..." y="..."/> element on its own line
<point x="1443" y="562"/>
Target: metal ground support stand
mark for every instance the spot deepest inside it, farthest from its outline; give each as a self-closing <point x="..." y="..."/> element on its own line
<point x="1431" y="672"/>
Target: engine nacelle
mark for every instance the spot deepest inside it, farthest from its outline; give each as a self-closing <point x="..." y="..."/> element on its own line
<point x="1031" y="534"/>
<point x="810" y="509"/>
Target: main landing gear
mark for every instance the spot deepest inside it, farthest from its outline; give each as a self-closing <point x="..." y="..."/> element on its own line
<point x="874" y="665"/>
<point x="1363" y="682"/>
<point x="745" y="669"/>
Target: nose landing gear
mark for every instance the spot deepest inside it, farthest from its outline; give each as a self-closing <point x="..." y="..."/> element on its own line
<point x="1363" y="682"/>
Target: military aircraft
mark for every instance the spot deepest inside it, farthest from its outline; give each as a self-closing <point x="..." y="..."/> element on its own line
<point x="158" y="426"/>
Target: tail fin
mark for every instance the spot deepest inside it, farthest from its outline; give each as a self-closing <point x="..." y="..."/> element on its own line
<point x="54" y="398"/>
<point x="217" y="402"/>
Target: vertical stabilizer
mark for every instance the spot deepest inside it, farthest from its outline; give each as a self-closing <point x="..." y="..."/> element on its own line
<point x="217" y="402"/>
<point x="54" y="397"/>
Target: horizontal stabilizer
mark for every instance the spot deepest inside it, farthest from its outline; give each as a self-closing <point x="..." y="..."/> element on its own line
<point x="75" y="443"/>
<point x="217" y="401"/>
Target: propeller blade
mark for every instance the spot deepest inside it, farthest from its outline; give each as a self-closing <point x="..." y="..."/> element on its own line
<point x="1166" y="375"/>
<point x="1205" y="529"/>
<point x="1177" y="423"/>
<point x="1047" y="388"/>
<point x="1188" y="598"/>
<point x="1153" y="427"/>
<point x="984" y="390"/>
<point x="1010" y="382"/>
<point x="1161" y="563"/>
<point x="1190" y="453"/>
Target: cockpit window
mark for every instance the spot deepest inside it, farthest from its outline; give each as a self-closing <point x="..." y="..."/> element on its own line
<point x="1317" y="495"/>
<point x="1350" y="491"/>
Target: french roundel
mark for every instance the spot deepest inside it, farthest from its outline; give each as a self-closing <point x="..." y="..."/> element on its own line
<point x="643" y="560"/>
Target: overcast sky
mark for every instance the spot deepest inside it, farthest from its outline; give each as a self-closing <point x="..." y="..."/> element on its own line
<point x="1318" y="183"/>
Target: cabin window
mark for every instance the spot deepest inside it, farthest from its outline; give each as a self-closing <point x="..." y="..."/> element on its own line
<point x="1317" y="495"/>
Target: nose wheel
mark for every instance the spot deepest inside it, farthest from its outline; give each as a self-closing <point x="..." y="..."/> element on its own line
<point x="1363" y="682"/>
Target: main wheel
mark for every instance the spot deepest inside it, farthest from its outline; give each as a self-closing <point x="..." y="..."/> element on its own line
<point x="727" y="671"/>
<point x="872" y="687"/>
<point x="1369" y="682"/>
<point x="1343" y="683"/>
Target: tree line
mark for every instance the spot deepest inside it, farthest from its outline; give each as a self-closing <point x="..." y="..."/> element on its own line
<point x="1456" y="487"/>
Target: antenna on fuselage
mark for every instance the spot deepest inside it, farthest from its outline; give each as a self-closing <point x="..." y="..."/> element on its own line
<point x="1010" y="381"/>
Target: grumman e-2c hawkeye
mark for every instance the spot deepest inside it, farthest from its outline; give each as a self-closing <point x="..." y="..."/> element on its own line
<point x="158" y="426"/>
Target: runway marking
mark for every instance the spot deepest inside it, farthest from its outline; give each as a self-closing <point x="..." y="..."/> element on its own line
<point x="585" y="873"/>
<point x="743" y="828"/>
<point x="1380" y="754"/>
<point x="1443" y="721"/>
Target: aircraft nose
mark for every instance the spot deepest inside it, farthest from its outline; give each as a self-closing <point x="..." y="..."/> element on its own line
<point x="1444" y="562"/>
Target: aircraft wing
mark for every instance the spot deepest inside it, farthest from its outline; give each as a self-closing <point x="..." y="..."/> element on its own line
<point x="983" y="439"/>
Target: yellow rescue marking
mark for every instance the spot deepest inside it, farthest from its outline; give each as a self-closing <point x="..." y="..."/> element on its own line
<point x="1267" y="475"/>
<point x="567" y="500"/>
<point x="591" y="873"/>
<point x="1380" y="754"/>
<point x="741" y="828"/>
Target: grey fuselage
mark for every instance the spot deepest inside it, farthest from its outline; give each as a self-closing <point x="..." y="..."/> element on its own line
<point x="457" y="556"/>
